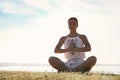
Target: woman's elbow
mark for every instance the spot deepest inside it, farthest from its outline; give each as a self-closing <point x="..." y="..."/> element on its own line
<point x="55" y="51"/>
<point x="89" y="49"/>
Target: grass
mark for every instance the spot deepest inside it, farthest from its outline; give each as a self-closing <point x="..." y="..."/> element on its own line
<point x="19" y="75"/>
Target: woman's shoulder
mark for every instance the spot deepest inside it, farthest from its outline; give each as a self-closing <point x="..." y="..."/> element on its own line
<point x="63" y="37"/>
<point x="82" y="36"/>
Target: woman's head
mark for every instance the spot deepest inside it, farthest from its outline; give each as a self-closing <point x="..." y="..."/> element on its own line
<point x="73" y="18"/>
<point x="73" y="23"/>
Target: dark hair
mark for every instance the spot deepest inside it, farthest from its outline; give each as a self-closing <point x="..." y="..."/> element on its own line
<point x="72" y="18"/>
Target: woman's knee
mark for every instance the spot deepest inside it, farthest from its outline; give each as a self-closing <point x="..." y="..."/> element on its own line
<point x="92" y="58"/>
<point x="51" y="59"/>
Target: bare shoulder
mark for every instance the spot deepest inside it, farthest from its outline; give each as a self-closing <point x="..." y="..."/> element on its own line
<point x="62" y="39"/>
<point x="82" y="36"/>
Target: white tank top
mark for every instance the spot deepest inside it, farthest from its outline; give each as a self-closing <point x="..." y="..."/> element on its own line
<point x="79" y="44"/>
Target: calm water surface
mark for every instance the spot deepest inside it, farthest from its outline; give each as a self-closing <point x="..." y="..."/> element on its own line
<point x="103" y="68"/>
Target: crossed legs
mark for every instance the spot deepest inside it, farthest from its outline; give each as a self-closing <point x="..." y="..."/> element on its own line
<point x="84" y="67"/>
<point x="57" y="64"/>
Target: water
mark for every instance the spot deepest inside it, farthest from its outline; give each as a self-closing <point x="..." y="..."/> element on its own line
<point x="105" y="68"/>
<point x="102" y="68"/>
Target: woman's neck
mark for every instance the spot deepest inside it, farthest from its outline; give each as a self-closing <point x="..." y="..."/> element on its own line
<point x="73" y="34"/>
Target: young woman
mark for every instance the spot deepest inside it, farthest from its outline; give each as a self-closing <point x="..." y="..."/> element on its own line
<point x="75" y="46"/>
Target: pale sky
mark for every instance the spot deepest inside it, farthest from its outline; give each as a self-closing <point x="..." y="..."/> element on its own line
<point x="30" y="29"/>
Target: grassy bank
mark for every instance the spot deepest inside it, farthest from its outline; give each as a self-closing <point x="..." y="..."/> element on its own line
<point x="12" y="75"/>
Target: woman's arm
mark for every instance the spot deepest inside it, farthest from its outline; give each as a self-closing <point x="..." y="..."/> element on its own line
<point x="59" y="45"/>
<point x="87" y="46"/>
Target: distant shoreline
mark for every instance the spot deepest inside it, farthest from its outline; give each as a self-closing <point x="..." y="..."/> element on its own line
<point x="22" y="64"/>
<point x="40" y="67"/>
<point x="44" y="64"/>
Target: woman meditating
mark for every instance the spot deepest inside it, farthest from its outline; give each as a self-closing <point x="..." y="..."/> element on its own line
<point x="75" y="46"/>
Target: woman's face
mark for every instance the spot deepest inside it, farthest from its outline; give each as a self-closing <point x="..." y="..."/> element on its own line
<point x="73" y="24"/>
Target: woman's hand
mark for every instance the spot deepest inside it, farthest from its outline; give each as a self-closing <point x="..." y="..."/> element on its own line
<point x="72" y="46"/>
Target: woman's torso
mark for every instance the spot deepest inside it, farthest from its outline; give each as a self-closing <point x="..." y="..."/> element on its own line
<point x="78" y="44"/>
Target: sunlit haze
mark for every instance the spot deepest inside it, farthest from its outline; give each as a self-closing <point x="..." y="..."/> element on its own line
<point x="30" y="29"/>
